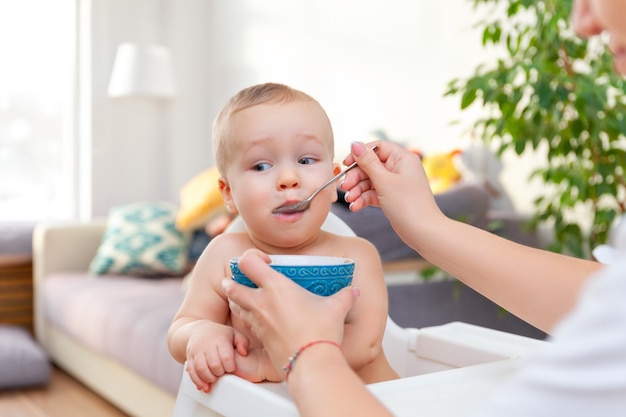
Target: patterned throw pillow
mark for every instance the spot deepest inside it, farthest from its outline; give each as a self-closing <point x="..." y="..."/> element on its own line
<point x="141" y="239"/>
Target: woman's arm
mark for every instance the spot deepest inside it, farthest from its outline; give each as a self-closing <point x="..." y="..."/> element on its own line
<point x="536" y="285"/>
<point x="322" y="384"/>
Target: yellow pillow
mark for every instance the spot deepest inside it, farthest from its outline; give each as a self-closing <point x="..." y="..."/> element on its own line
<point x="200" y="201"/>
<point x="441" y="170"/>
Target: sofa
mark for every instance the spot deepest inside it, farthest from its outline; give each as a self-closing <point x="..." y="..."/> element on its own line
<point x="109" y="331"/>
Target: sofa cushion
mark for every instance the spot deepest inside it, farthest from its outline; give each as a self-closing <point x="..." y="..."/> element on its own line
<point x="24" y="363"/>
<point x="125" y="318"/>
<point x="141" y="239"/>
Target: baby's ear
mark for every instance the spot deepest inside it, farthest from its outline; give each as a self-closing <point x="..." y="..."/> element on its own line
<point x="227" y="195"/>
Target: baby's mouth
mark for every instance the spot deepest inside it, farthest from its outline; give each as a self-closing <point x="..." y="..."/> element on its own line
<point x="289" y="207"/>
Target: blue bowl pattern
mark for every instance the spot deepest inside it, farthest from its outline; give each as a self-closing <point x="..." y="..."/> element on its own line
<point x="322" y="275"/>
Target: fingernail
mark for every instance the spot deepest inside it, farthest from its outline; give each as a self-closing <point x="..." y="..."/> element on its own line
<point x="345" y="196"/>
<point x="358" y="148"/>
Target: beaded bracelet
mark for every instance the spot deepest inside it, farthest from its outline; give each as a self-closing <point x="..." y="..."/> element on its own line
<point x="292" y="359"/>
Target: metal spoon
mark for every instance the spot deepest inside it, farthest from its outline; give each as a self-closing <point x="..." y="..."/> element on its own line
<point x="304" y="204"/>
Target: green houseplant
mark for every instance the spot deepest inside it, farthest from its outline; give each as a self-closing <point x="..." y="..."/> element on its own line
<point x="552" y="91"/>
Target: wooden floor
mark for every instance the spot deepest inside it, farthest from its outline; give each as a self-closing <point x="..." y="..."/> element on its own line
<point x="62" y="397"/>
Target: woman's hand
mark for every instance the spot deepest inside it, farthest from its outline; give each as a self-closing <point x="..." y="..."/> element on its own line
<point x="283" y="315"/>
<point x="393" y="179"/>
<point x="257" y="366"/>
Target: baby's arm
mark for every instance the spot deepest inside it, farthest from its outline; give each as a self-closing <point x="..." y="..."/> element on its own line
<point x="365" y="323"/>
<point x="200" y="334"/>
<point x="211" y="352"/>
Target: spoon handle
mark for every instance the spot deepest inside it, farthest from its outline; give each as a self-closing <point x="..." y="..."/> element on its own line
<point x="336" y="177"/>
<point x="333" y="179"/>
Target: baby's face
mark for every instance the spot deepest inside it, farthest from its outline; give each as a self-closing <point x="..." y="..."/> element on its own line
<point x="284" y="152"/>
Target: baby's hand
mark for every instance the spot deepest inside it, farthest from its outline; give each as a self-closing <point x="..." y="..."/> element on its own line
<point x="256" y="366"/>
<point x="211" y="353"/>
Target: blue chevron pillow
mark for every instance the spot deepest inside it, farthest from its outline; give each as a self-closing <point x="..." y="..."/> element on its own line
<point x="141" y="239"/>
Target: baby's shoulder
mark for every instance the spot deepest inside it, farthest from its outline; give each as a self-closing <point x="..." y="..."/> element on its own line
<point x="229" y="238"/>
<point x="355" y="246"/>
<point x="227" y="245"/>
<point x="358" y="241"/>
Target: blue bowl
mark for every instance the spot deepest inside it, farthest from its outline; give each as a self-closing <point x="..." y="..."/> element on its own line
<point x="322" y="275"/>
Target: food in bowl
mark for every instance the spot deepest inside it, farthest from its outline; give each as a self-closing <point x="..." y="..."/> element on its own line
<point x="322" y="275"/>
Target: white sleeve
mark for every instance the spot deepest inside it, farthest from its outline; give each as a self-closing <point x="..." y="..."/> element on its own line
<point x="582" y="372"/>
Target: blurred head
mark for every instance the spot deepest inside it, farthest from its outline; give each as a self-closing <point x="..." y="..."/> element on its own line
<point x="592" y="17"/>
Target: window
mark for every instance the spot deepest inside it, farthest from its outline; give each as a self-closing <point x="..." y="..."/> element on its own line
<point x="37" y="40"/>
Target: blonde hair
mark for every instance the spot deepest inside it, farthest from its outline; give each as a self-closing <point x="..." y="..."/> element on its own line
<point x="249" y="97"/>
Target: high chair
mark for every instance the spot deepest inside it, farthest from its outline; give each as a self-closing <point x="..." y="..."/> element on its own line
<point x="446" y="370"/>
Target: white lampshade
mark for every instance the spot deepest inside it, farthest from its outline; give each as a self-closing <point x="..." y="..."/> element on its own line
<point x="142" y="71"/>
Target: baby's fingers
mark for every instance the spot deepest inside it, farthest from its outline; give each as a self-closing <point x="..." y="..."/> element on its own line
<point x="242" y="343"/>
<point x="200" y="383"/>
<point x="227" y="360"/>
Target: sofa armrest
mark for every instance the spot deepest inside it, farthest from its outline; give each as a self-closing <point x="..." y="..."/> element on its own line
<point x="62" y="246"/>
<point x="66" y="246"/>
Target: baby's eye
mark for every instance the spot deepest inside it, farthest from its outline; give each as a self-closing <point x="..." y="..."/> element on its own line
<point x="306" y="161"/>
<point x="261" y="166"/>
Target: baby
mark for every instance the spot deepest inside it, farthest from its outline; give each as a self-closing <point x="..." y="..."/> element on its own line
<point x="273" y="146"/>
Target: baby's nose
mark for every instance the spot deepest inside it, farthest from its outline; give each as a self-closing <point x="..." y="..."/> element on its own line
<point x="289" y="184"/>
<point x="288" y="179"/>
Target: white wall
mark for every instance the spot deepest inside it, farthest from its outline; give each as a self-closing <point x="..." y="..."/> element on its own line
<point x="371" y="64"/>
